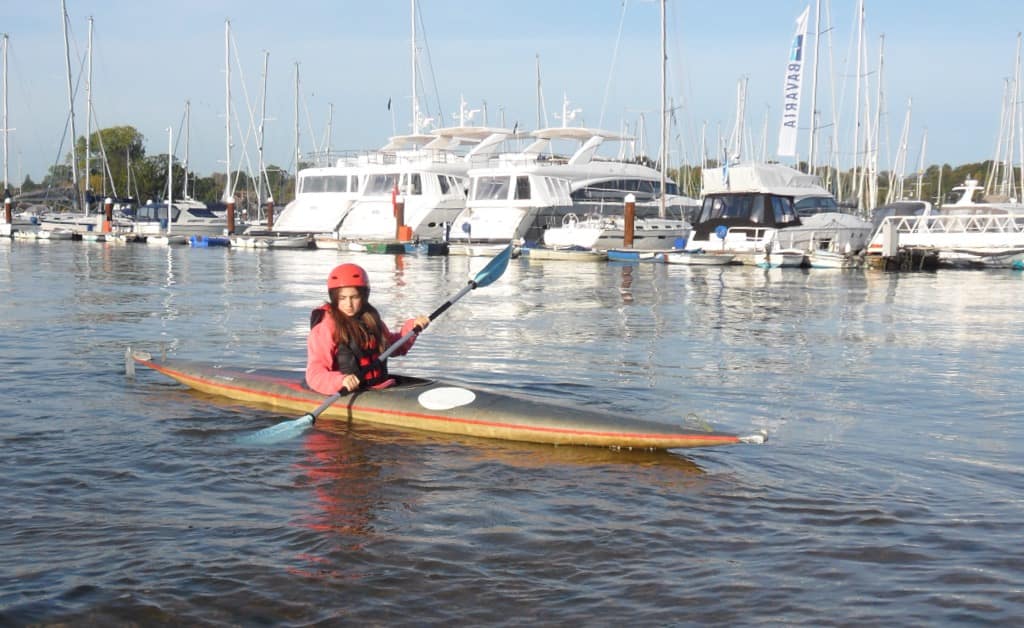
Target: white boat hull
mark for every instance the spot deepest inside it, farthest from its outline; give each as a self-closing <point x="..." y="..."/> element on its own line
<point x="699" y="258"/>
<point x="790" y="258"/>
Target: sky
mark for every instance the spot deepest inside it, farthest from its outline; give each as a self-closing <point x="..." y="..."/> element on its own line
<point x="353" y="57"/>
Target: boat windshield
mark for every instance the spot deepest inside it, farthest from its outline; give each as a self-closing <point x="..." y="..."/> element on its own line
<point x="816" y="205"/>
<point x="615" y="190"/>
<point x="323" y="183"/>
<point x="200" y="213"/>
<point x="154" y="213"/>
<point x="728" y="206"/>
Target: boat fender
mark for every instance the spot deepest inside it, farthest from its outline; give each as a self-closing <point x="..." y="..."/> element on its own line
<point x="446" y="398"/>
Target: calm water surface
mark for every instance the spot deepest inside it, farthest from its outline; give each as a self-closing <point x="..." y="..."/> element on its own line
<point x="890" y="492"/>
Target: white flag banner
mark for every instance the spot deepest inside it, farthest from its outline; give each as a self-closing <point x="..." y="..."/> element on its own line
<point x="791" y="89"/>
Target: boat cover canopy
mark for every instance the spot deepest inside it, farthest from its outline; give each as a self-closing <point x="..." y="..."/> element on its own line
<point x="763" y="178"/>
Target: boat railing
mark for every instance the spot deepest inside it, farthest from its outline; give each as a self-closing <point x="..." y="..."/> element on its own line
<point x="954" y="223"/>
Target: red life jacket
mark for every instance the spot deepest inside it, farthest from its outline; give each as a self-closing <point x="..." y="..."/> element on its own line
<point x="361" y="361"/>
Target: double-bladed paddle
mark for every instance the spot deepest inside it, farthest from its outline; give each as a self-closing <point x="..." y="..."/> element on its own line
<point x="288" y="429"/>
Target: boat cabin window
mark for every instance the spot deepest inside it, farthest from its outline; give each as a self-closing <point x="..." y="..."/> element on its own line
<point x="353" y="185"/>
<point x="443" y="183"/>
<point x="323" y="183"/>
<point x="731" y="206"/>
<point x="490" y="188"/>
<point x="457" y="185"/>
<point x="381" y="184"/>
<point x="782" y="208"/>
<point x="670" y="187"/>
<point x="646" y="190"/>
<point x="522" y="187"/>
<point x="561" y="189"/>
<point x="198" y="212"/>
<point x="155" y="213"/>
<point x="615" y="190"/>
<point x="412" y="185"/>
<point x="757" y="208"/>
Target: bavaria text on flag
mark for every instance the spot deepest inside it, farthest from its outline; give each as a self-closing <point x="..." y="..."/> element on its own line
<point x="791" y="89"/>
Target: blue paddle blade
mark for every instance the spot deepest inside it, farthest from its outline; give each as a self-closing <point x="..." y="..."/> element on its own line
<point x="280" y="432"/>
<point x="494" y="268"/>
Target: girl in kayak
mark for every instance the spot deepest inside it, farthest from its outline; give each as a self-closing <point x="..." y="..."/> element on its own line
<point x="347" y="336"/>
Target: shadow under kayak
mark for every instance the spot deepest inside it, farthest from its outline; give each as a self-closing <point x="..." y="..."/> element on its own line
<point x="435" y="406"/>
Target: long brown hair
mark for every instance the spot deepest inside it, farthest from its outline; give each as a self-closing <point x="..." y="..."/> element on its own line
<point x="361" y="327"/>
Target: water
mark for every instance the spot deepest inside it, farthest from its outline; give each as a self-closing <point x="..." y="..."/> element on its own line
<point x="891" y="490"/>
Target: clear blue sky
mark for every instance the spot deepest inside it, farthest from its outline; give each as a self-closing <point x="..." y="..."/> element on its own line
<point x="150" y="57"/>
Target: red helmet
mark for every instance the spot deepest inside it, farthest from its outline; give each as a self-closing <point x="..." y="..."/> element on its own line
<point x="348" y="276"/>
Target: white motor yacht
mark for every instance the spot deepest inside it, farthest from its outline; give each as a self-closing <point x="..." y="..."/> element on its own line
<point x="428" y="172"/>
<point x="515" y="198"/>
<point x="751" y="207"/>
<point x="323" y="196"/>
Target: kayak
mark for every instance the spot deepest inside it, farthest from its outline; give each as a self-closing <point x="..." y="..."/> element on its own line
<point x="435" y="406"/>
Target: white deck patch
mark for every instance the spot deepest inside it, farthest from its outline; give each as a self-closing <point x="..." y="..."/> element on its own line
<point x="446" y="398"/>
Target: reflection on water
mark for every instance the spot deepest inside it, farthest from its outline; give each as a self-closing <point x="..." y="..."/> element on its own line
<point x="888" y="492"/>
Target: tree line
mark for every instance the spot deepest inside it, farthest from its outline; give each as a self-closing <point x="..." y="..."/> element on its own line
<point x="120" y="168"/>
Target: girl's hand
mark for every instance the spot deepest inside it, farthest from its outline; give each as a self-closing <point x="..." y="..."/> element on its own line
<point x="350" y="383"/>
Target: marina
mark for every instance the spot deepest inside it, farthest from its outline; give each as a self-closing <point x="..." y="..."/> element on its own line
<point x="720" y="344"/>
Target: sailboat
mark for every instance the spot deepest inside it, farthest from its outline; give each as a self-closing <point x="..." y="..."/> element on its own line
<point x="166" y="235"/>
<point x="64" y="226"/>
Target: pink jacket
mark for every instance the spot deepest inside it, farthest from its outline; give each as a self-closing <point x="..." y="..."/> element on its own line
<point x="320" y="349"/>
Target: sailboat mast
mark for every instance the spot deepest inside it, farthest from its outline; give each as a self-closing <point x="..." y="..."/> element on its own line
<point x="170" y="177"/>
<point x="415" y="101"/>
<point x="328" y="133"/>
<point x="1020" y="118"/>
<point x="88" y="115"/>
<point x="296" y="127"/>
<point x="228" y="189"/>
<point x="188" y="127"/>
<point x="920" y="163"/>
<point x="5" y="127"/>
<point x="71" y="105"/>
<point x="814" y="88"/>
<point x="1015" y="126"/>
<point x="856" y="183"/>
<point x="539" y="97"/>
<point x="876" y="135"/>
<point x="664" y="115"/>
<point x="263" y="118"/>
<point x="128" y="171"/>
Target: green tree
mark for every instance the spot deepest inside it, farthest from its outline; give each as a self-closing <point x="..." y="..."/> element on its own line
<point x="110" y="151"/>
<point x="59" y="176"/>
